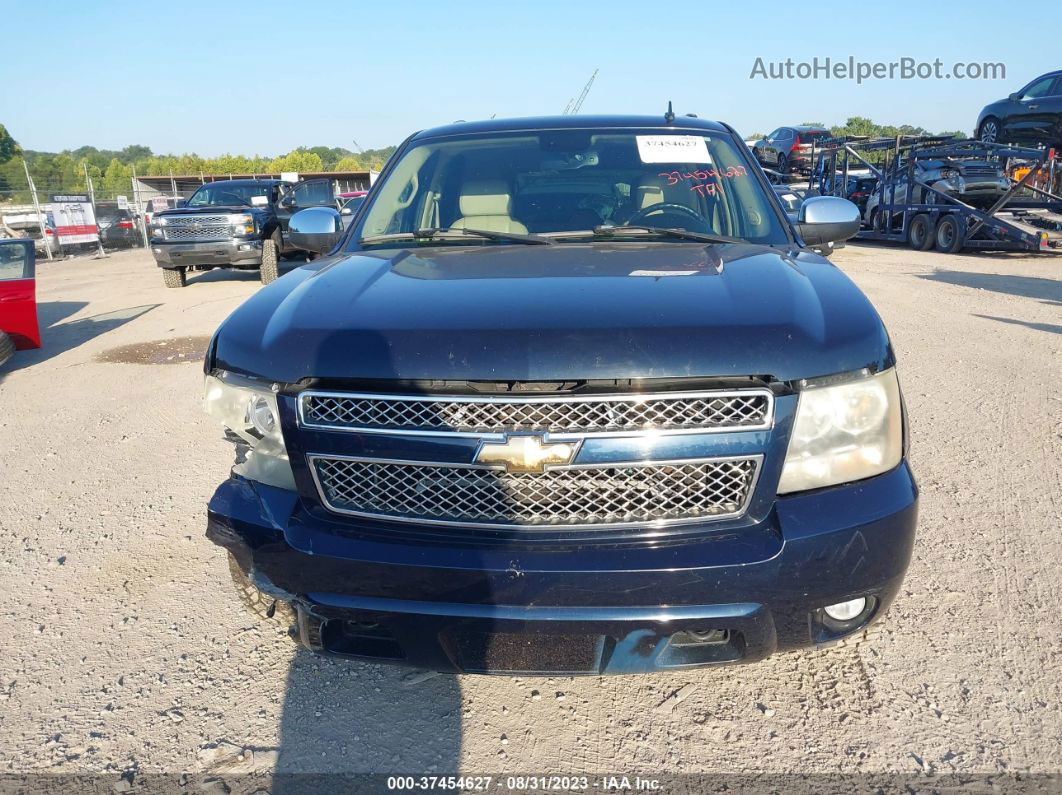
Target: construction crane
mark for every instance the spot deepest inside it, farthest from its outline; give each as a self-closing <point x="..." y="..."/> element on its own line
<point x="577" y="102"/>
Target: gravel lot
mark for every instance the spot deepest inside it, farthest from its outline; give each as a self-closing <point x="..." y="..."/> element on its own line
<point x="125" y="651"/>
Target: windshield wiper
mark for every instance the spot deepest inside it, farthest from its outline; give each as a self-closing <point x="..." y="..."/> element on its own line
<point x="437" y="231"/>
<point x="666" y="231"/>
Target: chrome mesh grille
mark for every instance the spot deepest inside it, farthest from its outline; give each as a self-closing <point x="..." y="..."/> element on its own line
<point x="680" y="411"/>
<point x="197" y="227"/>
<point x="621" y="494"/>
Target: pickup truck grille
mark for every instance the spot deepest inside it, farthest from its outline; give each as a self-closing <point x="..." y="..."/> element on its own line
<point x="622" y="414"/>
<point x="644" y="493"/>
<point x="197" y="227"/>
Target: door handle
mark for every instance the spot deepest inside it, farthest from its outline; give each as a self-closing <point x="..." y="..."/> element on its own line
<point x="1033" y="107"/>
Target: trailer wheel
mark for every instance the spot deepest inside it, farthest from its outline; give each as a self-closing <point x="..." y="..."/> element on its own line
<point x="173" y="277"/>
<point x="920" y="233"/>
<point x="783" y="164"/>
<point x="950" y="237"/>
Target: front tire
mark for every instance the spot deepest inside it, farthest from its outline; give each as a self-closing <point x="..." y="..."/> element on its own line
<point x="270" y="270"/>
<point x="989" y="131"/>
<point x="173" y="277"/>
<point x="7" y="347"/>
<point x="783" y="164"/>
<point x="259" y="604"/>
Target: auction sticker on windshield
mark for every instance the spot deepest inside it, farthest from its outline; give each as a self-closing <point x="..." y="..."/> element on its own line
<point x="673" y="149"/>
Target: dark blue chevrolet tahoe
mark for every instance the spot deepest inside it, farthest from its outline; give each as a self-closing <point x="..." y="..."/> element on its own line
<point x="568" y="395"/>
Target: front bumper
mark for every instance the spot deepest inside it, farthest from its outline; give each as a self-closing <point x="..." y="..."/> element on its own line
<point x="237" y="253"/>
<point x="590" y="609"/>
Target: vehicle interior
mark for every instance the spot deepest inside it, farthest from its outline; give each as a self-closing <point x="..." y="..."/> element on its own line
<point x="566" y="181"/>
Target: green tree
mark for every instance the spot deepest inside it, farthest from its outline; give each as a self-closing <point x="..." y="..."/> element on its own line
<point x="299" y="160"/>
<point x="9" y="147"/>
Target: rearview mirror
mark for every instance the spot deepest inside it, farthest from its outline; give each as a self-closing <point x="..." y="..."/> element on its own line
<point x="316" y="229"/>
<point x="827" y="219"/>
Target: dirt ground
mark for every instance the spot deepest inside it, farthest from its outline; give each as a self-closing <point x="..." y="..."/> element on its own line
<point x="124" y="650"/>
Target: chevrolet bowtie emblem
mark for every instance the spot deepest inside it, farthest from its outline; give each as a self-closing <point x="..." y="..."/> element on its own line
<point x="524" y="454"/>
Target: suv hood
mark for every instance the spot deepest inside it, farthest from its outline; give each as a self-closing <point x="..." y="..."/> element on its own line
<point x="214" y="209"/>
<point x="562" y="312"/>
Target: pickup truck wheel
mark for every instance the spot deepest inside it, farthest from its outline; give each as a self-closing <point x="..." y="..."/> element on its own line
<point x="173" y="277"/>
<point x="920" y="233"/>
<point x="261" y="605"/>
<point x="949" y="237"/>
<point x="270" y="270"/>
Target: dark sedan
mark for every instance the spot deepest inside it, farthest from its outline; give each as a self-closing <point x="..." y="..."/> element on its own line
<point x="789" y="148"/>
<point x="1032" y="115"/>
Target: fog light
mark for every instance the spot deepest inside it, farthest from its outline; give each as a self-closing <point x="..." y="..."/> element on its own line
<point x="846" y="611"/>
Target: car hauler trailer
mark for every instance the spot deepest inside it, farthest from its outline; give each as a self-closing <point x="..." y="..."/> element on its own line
<point x="1025" y="217"/>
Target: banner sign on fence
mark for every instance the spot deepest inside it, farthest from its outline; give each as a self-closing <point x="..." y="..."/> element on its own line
<point x="123" y="202"/>
<point x="74" y="219"/>
<point x="159" y="203"/>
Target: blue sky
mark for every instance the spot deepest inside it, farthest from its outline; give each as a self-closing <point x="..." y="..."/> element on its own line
<point x="267" y="76"/>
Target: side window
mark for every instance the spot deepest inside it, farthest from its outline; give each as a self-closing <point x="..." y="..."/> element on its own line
<point x="1041" y="88"/>
<point x="783" y="135"/>
<point x="15" y="260"/>
<point x="771" y="136"/>
<point x="315" y="193"/>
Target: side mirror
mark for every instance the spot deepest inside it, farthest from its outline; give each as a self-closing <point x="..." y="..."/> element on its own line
<point x="288" y="201"/>
<point x="182" y="202"/>
<point x="1014" y="97"/>
<point x="827" y="219"/>
<point x="346" y="211"/>
<point x="315" y="229"/>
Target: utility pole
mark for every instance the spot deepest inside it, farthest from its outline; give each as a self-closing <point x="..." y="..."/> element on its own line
<point x="40" y="216"/>
<point x="92" y="201"/>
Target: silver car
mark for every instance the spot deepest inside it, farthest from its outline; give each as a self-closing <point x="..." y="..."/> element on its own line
<point x="977" y="182"/>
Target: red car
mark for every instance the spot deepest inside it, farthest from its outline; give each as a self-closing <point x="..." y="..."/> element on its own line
<point x="350" y="202"/>
<point x="18" y="298"/>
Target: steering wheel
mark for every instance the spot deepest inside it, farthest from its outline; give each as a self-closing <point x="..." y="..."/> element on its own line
<point x="645" y="212"/>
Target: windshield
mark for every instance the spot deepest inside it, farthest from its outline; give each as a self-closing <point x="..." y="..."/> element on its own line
<point x="220" y="194"/>
<point x="566" y="183"/>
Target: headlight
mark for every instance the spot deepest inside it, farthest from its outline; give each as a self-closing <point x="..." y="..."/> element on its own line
<point x="249" y="410"/>
<point x="158" y="221"/>
<point x="242" y="224"/>
<point x="844" y="432"/>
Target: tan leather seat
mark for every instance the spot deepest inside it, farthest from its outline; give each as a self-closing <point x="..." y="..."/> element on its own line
<point x="486" y="205"/>
<point x="649" y="192"/>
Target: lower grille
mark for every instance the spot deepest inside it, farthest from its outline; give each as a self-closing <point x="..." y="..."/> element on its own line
<point x="526" y="652"/>
<point x="610" y="495"/>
